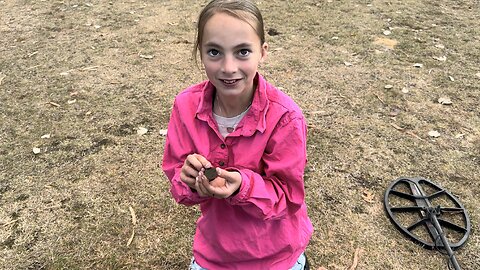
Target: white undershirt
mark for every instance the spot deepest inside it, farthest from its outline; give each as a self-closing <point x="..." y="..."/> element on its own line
<point x="226" y="124"/>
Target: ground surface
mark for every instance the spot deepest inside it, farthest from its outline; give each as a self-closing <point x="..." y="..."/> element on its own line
<point x="80" y="79"/>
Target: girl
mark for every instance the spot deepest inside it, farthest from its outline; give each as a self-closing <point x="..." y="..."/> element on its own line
<point x="236" y="146"/>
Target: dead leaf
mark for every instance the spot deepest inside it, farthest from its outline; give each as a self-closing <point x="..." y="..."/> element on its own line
<point x="146" y="56"/>
<point x="163" y="132"/>
<point x="445" y="101"/>
<point x="133" y="215"/>
<point x="394" y="111"/>
<point x="418" y="65"/>
<point x="440" y="58"/>
<point x="368" y="196"/>
<point x="36" y="150"/>
<point x="45" y="136"/>
<point x="434" y="134"/>
<point x="142" y="131"/>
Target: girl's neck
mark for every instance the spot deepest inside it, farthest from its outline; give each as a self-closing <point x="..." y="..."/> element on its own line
<point x="231" y="106"/>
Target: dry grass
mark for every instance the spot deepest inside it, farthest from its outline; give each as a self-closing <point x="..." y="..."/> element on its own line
<point x="68" y="207"/>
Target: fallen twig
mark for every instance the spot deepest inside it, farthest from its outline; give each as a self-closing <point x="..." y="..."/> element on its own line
<point x="32" y="54"/>
<point x="90" y="68"/>
<point x="414" y="135"/>
<point x="356" y="258"/>
<point x="397" y="127"/>
<point x="134" y="217"/>
<point x="409" y="132"/>
<point x="320" y="113"/>
<point x="53" y="104"/>
<point x="134" y="222"/>
<point x="131" y="238"/>
<point x="10" y="222"/>
<point x="380" y="99"/>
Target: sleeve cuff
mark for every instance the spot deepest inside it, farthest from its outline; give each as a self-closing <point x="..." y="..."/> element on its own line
<point x="243" y="191"/>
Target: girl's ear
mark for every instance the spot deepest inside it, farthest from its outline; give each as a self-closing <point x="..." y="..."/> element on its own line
<point x="264" y="52"/>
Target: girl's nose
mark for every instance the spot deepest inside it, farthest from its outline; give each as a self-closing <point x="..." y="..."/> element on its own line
<point x="229" y="65"/>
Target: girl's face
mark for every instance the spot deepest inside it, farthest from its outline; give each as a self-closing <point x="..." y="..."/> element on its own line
<point x="231" y="52"/>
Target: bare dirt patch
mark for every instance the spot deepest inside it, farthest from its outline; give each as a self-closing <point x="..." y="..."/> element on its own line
<point x="368" y="76"/>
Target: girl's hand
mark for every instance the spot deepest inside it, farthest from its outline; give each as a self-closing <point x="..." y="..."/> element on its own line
<point x="193" y="164"/>
<point x="223" y="186"/>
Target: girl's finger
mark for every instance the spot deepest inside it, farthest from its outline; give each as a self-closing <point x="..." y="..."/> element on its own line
<point x="193" y="162"/>
<point x="203" y="161"/>
<point x="200" y="192"/>
<point x="201" y="186"/>
<point x="189" y="171"/>
<point x="232" y="177"/>
<point x="190" y="181"/>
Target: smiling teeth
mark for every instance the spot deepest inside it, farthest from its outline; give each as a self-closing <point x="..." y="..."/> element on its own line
<point x="229" y="81"/>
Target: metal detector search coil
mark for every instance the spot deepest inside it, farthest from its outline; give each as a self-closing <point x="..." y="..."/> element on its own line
<point x="428" y="214"/>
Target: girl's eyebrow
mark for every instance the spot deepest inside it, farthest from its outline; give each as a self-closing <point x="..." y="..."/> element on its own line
<point x="241" y="45"/>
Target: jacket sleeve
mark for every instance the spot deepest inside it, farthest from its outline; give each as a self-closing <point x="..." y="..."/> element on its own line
<point x="178" y="146"/>
<point x="279" y="189"/>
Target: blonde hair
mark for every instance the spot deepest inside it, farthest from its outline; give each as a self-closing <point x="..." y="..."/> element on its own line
<point x="244" y="10"/>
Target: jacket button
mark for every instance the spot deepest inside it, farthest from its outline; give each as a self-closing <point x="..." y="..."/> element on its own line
<point x="221" y="163"/>
<point x="222" y="146"/>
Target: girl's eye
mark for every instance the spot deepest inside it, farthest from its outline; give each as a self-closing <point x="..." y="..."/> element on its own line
<point x="213" y="52"/>
<point x="244" y="52"/>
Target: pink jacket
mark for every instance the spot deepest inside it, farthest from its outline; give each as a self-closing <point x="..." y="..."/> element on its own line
<point x="264" y="226"/>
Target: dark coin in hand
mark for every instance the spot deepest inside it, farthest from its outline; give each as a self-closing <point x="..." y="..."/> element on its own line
<point x="211" y="173"/>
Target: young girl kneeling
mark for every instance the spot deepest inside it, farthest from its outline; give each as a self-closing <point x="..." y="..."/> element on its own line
<point x="236" y="145"/>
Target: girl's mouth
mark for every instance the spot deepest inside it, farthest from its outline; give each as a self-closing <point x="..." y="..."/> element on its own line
<point x="230" y="82"/>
